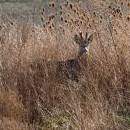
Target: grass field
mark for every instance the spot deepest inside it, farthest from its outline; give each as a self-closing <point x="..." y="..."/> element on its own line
<point x="31" y="97"/>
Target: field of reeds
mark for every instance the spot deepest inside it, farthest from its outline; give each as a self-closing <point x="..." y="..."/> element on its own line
<point x="32" y="98"/>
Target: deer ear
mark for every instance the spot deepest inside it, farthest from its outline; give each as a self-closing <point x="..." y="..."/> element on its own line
<point x="76" y="38"/>
<point x="90" y="38"/>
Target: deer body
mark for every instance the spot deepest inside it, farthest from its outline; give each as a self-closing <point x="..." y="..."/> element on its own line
<point x="71" y="69"/>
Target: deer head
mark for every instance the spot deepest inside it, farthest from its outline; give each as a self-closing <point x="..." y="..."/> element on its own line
<point x="83" y="42"/>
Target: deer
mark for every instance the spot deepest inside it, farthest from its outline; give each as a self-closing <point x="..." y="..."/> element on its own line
<point x="71" y="69"/>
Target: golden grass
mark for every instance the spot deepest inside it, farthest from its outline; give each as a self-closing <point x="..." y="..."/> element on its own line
<point x="30" y="93"/>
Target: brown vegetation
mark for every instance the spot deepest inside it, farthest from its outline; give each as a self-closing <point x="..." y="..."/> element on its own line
<point x="30" y="95"/>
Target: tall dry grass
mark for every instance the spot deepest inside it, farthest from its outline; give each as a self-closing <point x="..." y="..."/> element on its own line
<point x="30" y="93"/>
